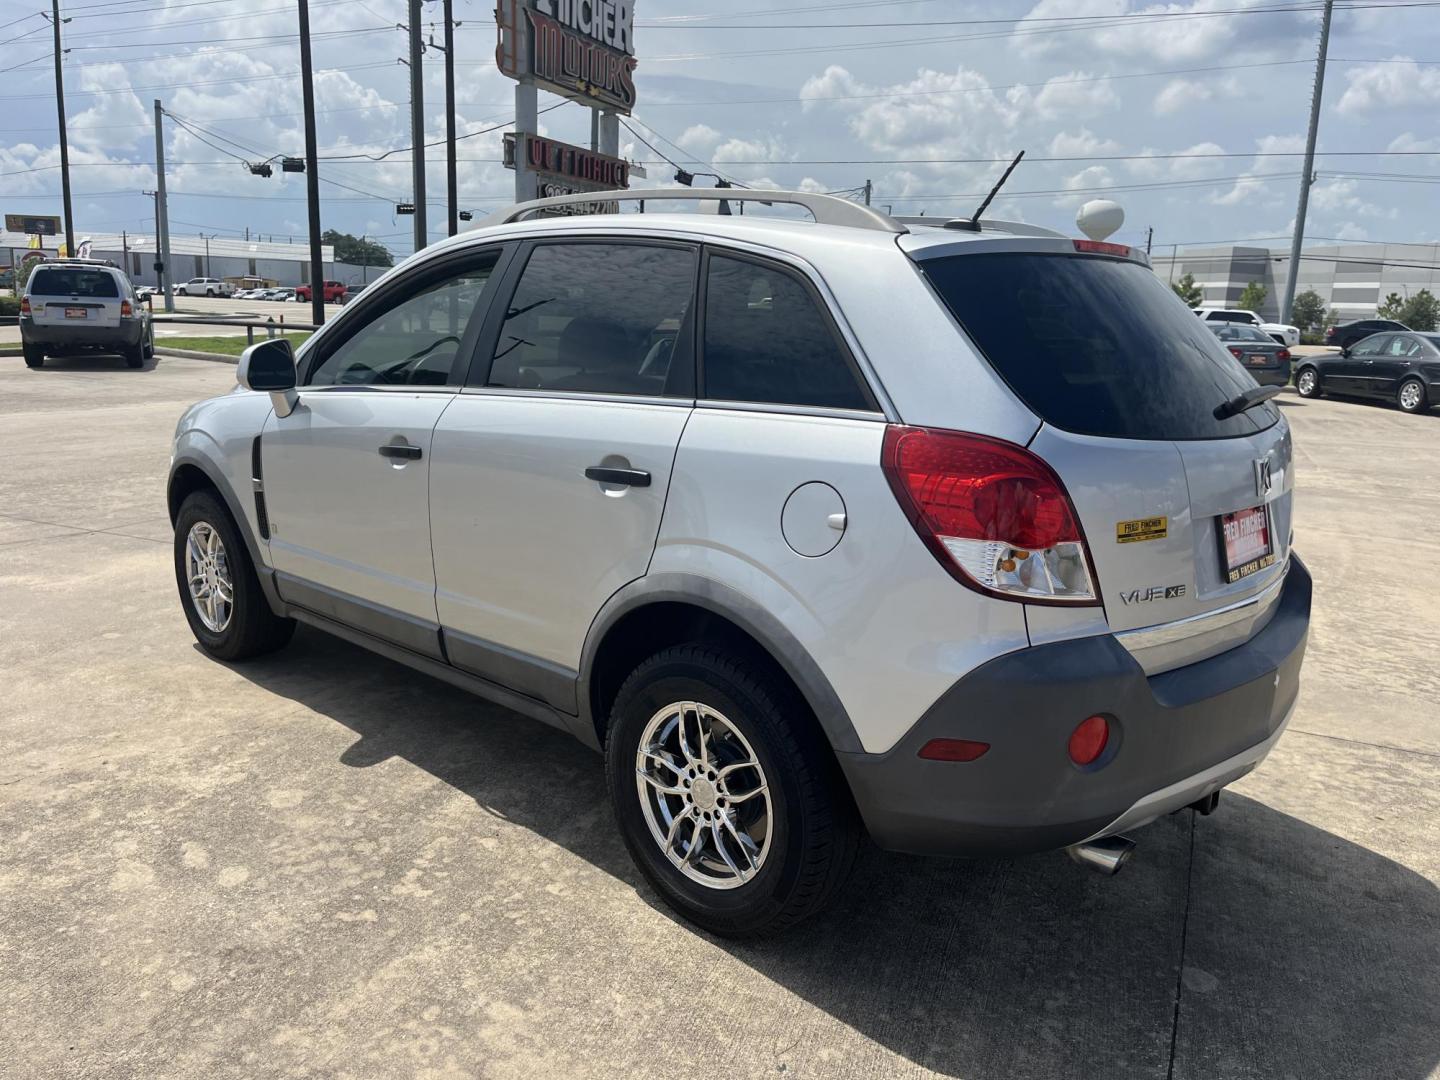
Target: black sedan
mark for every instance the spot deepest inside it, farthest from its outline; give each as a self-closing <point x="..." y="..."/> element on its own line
<point x="1347" y="334"/>
<point x="1266" y="360"/>
<point x="1403" y="368"/>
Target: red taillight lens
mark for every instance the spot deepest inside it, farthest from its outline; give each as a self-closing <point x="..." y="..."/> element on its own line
<point x="25" y="305"/>
<point x="1087" y="741"/>
<point x="953" y="750"/>
<point x="991" y="511"/>
<point x="1100" y="247"/>
<point x="1283" y="354"/>
<point x="1236" y="351"/>
<point x="126" y="311"/>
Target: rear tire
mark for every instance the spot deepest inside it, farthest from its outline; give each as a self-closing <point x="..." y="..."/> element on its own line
<point x="801" y="831"/>
<point x="246" y="626"/>
<point x="1412" y="397"/>
<point x="135" y="356"/>
<point x="1307" y="382"/>
<point x="34" y="356"/>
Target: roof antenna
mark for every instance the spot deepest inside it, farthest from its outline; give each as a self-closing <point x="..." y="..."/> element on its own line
<point x="973" y="224"/>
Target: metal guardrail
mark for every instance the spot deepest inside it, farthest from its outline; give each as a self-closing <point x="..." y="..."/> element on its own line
<point x="251" y="323"/>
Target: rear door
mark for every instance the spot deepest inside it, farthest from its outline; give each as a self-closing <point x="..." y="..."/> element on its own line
<point x="64" y="296"/>
<point x="1391" y="364"/>
<point x="1183" y="512"/>
<point x="551" y="469"/>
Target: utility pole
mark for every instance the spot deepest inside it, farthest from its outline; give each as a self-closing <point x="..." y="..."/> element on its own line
<point x="1149" y="236"/>
<point x="868" y="189"/>
<point x="312" y="169"/>
<point x="417" y="126"/>
<point x="162" y="215"/>
<point x="451" y="198"/>
<point x="207" y="240"/>
<point x="1308" y="176"/>
<point x="64" y="139"/>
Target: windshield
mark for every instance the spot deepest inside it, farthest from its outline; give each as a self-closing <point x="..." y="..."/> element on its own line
<point x="70" y="281"/>
<point x="1097" y="346"/>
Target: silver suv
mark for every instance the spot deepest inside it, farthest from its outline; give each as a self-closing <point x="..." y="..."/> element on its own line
<point x="971" y="537"/>
<point x="81" y="305"/>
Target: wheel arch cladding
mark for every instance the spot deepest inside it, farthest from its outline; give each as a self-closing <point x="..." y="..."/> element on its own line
<point x="668" y="609"/>
<point x="189" y="475"/>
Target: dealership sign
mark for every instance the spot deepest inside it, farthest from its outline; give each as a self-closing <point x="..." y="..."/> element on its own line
<point x="32" y="224"/>
<point x="578" y="168"/>
<point x="580" y="49"/>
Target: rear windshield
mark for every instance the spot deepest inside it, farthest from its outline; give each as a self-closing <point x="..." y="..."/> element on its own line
<point x="69" y="281"/>
<point x="1096" y="346"/>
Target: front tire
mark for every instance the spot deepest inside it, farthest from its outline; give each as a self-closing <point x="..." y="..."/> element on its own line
<point x="1412" y="397"/>
<point x="1307" y="382"/>
<point x="219" y="590"/>
<point x="726" y="799"/>
<point x="34" y="356"/>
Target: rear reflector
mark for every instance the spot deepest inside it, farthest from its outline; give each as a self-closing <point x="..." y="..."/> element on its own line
<point x="953" y="750"/>
<point x="993" y="513"/>
<point x="1100" y="247"/>
<point x="1087" y="741"/>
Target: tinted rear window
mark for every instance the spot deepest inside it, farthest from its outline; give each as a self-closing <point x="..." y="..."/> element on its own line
<point x="1096" y="346"/>
<point x="73" y="282"/>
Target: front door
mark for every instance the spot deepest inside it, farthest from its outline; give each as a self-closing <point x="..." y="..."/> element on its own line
<point x="550" y="470"/>
<point x="1355" y="373"/>
<point x="346" y="475"/>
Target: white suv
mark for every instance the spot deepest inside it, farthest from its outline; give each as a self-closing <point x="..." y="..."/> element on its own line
<point x="1283" y="333"/>
<point x="205" y="286"/>
<point x="970" y="538"/>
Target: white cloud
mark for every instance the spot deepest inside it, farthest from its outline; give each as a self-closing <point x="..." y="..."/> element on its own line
<point x="1082" y="143"/>
<point x="1397" y="84"/>
<point x="1071" y="95"/>
<point x="1406" y="142"/>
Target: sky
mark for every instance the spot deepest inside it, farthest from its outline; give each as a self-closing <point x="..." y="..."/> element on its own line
<point x="1191" y="115"/>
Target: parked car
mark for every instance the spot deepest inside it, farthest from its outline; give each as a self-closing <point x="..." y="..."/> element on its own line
<point x="144" y="292"/>
<point x="81" y="305"/>
<point x="1347" y="334"/>
<point x="353" y="291"/>
<point x="1267" y="361"/>
<point x="331" y="291"/>
<point x="205" y="286"/>
<point x="278" y="294"/>
<point x="1403" y="368"/>
<point x="1281" y="332"/>
<point x="814" y="529"/>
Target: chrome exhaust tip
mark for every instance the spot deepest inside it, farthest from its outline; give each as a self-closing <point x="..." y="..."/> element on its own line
<point x="1105" y="855"/>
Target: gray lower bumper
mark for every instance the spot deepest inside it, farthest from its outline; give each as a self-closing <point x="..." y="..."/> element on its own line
<point x="59" y="338"/>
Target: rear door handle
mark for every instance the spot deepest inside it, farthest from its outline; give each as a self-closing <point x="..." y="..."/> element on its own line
<point x="603" y="474"/>
<point x="409" y="453"/>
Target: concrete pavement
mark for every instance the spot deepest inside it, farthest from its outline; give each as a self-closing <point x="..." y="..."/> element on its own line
<point x="322" y="864"/>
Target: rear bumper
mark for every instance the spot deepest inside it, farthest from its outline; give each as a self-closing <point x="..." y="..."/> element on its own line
<point x="1271" y="377"/>
<point x="127" y="335"/>
<point x="1175" y="737"/>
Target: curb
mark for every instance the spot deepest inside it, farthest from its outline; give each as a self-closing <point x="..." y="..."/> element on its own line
<point x="192" y="354"/>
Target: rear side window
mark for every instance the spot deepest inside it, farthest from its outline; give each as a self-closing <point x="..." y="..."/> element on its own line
<point x="72" y="281"/>
<point x="1096" y="346"/>
<point x="598" y="318"/>
<point x="766" y="340"/>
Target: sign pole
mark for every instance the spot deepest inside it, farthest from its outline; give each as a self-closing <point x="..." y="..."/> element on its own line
<point x="417" y="125"/>
<point x="64" y="140"/>
<point x="162" y="215"/>
<point x="526" y="123"/>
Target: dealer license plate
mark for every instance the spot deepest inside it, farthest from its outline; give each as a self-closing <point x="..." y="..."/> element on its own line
<point x="1256" y="359"/>
<point x="1247" y="546"/>
<point x="76" y="312"/>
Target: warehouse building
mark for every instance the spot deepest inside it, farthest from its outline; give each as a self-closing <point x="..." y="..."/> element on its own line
<point x="1352" y="279"/>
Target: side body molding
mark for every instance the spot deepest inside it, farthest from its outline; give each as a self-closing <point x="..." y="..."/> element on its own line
<point x="701" y="592"/>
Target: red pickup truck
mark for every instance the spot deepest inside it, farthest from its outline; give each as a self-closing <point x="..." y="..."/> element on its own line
<point x="332" y="291"/>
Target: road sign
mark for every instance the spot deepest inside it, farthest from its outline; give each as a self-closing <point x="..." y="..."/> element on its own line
<point x="32" y="224"/>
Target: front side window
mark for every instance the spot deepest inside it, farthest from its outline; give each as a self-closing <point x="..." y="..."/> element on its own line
<point x="597" y="318"/>
<point x="414" y="342"/>
<point x="766" y="341"/>
<point x="1371" y="346"/>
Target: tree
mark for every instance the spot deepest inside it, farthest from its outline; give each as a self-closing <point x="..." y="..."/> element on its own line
<point x="1308" y="312"/>
<point x="1392" y="307"/>
<point x="1188" y="291"/>
<point x="356" y="249"/>
<point x="1419" y="312"/>
<point x="1252" y="298"/>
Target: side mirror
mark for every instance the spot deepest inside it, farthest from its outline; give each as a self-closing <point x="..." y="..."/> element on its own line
<point x="269" y="366"/>
<point x="1344" y="350"/>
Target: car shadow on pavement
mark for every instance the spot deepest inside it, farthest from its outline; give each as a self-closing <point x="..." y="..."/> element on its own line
<point x="95" y="362"/>
<point x="1304" y="954"/>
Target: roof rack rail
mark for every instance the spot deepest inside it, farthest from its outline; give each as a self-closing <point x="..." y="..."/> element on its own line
<point x="1017" y="228"/>
<point x="825" y="209"/>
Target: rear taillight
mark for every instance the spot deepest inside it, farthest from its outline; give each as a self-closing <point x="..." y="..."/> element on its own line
<point x="1236" y="351"/>
<point x="994" y="514"/>
<point x="126" y="311"/>
<point x="1283" y="354"/>
<point x="25" y="305"/>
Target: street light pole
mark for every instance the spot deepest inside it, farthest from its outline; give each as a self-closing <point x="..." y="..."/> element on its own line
<point x="64" y="139"/>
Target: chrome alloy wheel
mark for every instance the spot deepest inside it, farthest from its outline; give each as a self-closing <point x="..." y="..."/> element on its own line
<point x="1410" y="396"/>
<point x="704" y="795"/>
<point x="207" y="571"/>
<point x="1307" y="382"/>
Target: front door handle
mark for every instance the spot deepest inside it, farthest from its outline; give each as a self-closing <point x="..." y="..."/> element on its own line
<point x="630" y="477"/>
<point x="409" y="453"/>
